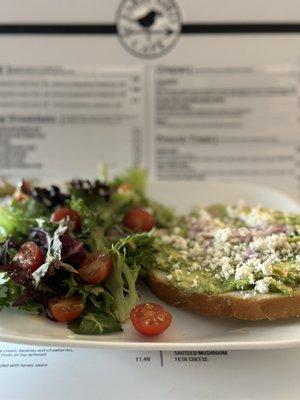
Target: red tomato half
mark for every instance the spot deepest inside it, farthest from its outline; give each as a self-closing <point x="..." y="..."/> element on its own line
<point x="150" y="319"/>
<point x="96" y="267"/>
<point x="139" y="219"/>
<point x="29" y="256"/>
<point x="65" y="309"/>
<point x="65" y="212"/>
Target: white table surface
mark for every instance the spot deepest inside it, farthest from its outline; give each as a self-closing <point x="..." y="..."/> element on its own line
<point x="35" y="373"/>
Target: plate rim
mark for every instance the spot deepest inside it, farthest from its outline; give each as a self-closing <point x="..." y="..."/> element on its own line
<point x="153" y="346"/>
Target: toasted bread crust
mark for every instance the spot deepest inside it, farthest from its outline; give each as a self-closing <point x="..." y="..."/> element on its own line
<point x="233" y="304"/>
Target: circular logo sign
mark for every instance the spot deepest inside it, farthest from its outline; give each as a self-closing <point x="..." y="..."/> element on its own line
<point x="148" y="28"/>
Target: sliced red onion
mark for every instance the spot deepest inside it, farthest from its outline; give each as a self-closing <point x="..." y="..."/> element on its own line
<point x="73" y="251"/>
<point x="249" y="252"/>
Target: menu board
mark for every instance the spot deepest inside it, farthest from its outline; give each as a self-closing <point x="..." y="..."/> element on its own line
<point x="59" y="120"/>
<point x="227" y="123"/>
<point x="233" y="124"/>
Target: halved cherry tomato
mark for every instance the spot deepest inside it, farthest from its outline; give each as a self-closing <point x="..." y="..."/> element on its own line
<point x="65" y="309"/>
<point x="65" y="212"/>
<point x="139" y="219"/>
<point x="150" y="319"/>
<point x="96" y="267"/>
<point x="29" y="256"/>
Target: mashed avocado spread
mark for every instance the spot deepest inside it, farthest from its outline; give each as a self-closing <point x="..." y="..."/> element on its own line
<point x="224" y="248"/>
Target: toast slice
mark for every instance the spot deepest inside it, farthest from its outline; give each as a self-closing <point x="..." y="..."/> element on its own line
<point x="252" y="307"/>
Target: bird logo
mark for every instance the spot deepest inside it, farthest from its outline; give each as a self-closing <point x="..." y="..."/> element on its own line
<point x="147" y="20"/>
<point x="148" y="28"/>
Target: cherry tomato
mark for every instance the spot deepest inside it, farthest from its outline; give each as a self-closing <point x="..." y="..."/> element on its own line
<point x="26" y="186"/>
<point x="65" y="309"/>
<point x="96" y="267"/>
<point x="139" y="219"/>
<point x="124" y="188"/>
<point x="23" y="191"/>
<point x="65" y="212"/>
<point x="150" y="319"/>
<point x="29" y="256"/>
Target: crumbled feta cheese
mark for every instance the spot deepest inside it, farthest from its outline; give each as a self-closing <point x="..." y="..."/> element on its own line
<point x="204" y="215"/>
<point x="243" y="232"/>
<point x="166" y="239"/>
<point x="177" y="271"/>
<point x="180" y="243"/>
<point x="193" y="267"/>
<point x="257" y="244"/>
<point x="222" y="235"/>
<point x="196" y="250"/>
<point x="194" y="284"/>
<point x="267" y="268"/>
<point x="237" y="257"/>
<point x="199" y="238"/>
<point x="243" y="272"/>
<point x="256" y="216"/>
<point x="262" y="285"/>
<point x="270" y="243"/>
<point x="274" y="242"/>
<point x="227" y="269"/>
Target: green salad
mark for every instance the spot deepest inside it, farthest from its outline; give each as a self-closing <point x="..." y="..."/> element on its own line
<point x="75" y="255"/>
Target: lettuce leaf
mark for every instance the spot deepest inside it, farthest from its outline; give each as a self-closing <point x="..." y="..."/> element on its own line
<point x="16" y="219"/>
<point x="95" y="323"/>
<point x="92" y="230"/>
<point x="135" y="177"/>
<point x="165" y="217"/>
<point x="9" y="291"/>
<point x="33" y="307"/>
<point x="94" y="296"/>
<point x="129" y="255"/>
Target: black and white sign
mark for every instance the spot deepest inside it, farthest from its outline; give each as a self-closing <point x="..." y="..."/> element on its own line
<point x="148" y="28"/>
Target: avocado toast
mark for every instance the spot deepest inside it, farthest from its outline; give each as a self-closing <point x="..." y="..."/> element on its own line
<point x="229" y="261"/>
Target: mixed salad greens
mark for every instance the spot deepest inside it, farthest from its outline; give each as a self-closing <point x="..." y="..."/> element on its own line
<point x="75" y="255"/>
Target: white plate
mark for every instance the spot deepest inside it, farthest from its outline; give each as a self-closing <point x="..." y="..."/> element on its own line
<point x="187" y="331"/>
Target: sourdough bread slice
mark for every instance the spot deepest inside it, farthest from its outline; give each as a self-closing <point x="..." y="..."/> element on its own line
<point x="232" y="304"/>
